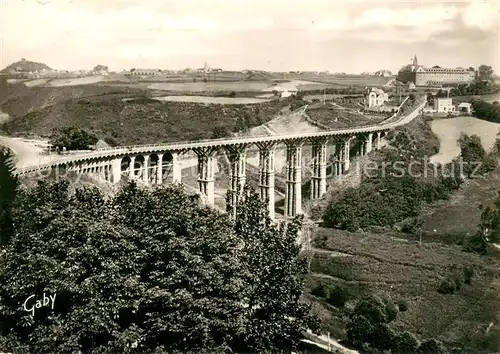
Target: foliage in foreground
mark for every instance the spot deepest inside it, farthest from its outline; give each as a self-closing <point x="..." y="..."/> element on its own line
<point x="153" y="270"/>
<point x="368" y="329"/>
<point x="8" y="185"/>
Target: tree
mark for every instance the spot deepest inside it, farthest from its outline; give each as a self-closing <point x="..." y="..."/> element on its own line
<point x="9" y="184"/>
<point x="154" y="267"/>
<point x="382" y="336"/>
<point x="220" y="132"/>
<point x="359" y="330"/>
<point x="275" y="318"/>
<point x="121" y="273"/>
<point x="489" y="226"/>
<point x="485" y="72"/>
<point x="376" y="310"/>
<point x="472" y="153"/>
<point x="432" y="346"/>
<point x="72" y="138"/>
<point x="404" y="343"/>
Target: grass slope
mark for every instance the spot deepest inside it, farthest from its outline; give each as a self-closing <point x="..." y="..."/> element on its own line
<point x="395" y="263"/>
<point x="141" y="121"/>
<point x="406" y="270"/>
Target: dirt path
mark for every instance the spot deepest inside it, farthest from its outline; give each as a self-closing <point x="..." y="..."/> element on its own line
<point x="28" y="152"/>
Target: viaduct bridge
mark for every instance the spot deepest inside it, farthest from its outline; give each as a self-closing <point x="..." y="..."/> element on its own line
<point x="150" y="162"/>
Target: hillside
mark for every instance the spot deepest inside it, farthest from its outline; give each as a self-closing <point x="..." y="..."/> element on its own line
<point x="142" y="121"/>
<point x="18" y="100"/>
<point x="382" y="260"/>
<point x="366" y="263"/>
<point x="25" y="65"/>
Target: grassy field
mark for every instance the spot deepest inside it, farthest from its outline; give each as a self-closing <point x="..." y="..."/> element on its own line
<point x="365" y="263"/>
<point x="394" y="263"/>
<point x="345" y="80"/>
<point x="334" y="117"/>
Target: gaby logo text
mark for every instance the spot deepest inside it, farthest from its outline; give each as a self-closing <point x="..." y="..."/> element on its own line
<point x="30" y="304"/>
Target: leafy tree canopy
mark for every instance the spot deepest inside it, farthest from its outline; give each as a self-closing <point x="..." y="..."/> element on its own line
<point x="72" y="139"/>
<point x="151" y="267"/>
<point x="8" y="186"/>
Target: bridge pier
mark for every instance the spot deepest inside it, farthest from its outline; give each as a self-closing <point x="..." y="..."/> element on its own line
<point x="293" y="196"/>
<point x="377" y="143"/>
<point x="266" y="175"/>
<point x="345" y="155"/>
<point x="116" y="171"/>
<point x="368" y="143"/>
<point x="237" y="160"/>
<point x="206" y="170"/>
<point x="318" y="181"/>
<point x="131" y="173"/>
<point x="145" y="169"/>
<point x="176" y="168"/>
<point x="159" y="169"/>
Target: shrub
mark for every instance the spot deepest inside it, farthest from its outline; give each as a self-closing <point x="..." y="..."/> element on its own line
<point x="72" y="138"/>
<point x="359" y="329"/>
<point x="374" y="309"/>
<point x="320" y="290"/>
<point x="337" y="296"/>
<point x="468" y="273"/>
<point x="432" y="346"/>
<point x="447" y="286"/>
<point x="404" y="343"/>
<point x="402" y="305"/>
<point x="382" y="336"/>
<point x="475" y="243"/>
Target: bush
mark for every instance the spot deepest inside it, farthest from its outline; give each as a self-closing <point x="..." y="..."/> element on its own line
<point x="337" y="296"/>
<point x="359" y="329"/>
<point x="404" y="343"/>
<point x="468" y="273"/>
<point x="475" y="243"/>
<point x="382" y="336"/>
<point x="376" y="309"/>
<point x="320" y="290"/>
<point x="432" y="346"/>
<point x="72" y="139"/>
<point x="402" y="305"/>
<point x="447" y="286"/>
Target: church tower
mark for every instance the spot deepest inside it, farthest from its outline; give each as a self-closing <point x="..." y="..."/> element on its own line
<point x="415" y="61"/>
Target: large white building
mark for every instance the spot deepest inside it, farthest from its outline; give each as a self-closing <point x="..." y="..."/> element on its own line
<point x="375" y="97"/>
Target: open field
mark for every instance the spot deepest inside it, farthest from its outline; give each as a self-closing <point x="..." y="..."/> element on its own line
<point x="364" y="263"/>
<point x="345" y="80"/>
<point x="335" y="117"/>
<point x="210" y="86"/>
<point x="461" y="214"/>
<point x="77" y="81"/>
<point x="212" y="100"/>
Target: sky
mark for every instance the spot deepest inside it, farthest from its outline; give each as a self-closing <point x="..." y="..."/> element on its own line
<point x="277" y="35"/>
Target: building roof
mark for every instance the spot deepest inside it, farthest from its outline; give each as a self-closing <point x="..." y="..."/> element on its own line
<point x="464" y="104"/>
<point x="377" y="90"/>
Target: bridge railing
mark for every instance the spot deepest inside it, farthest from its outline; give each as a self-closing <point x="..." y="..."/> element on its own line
<point x="102" y="152"/>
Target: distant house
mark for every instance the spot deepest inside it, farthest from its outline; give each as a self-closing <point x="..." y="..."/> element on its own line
<point x="465" y="107"/>
<point x="375" y="97"/>
<point x="145" y="72"/>
<point x="443" y="105"/>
